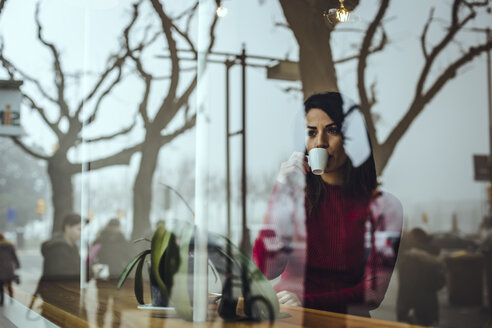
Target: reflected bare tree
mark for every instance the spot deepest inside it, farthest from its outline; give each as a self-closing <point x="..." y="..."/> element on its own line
<point x="318" y="71"/>
<point x="66" y="119"/>
<point x="173" y="105"/>
<point x="66" y="122"/>
<point x="427" y="87"/>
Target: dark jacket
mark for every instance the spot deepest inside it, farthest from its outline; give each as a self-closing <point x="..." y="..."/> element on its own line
<point x="8" y="261"/>
<point x="61" y="260"/>
<point x="114" y="251"/>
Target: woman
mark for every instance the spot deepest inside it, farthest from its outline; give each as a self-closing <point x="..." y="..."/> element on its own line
<point x="321" y="231"/>
<point x="8" y="263"/>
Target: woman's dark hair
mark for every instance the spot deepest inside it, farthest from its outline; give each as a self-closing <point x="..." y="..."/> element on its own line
<point x="359" y="182"/>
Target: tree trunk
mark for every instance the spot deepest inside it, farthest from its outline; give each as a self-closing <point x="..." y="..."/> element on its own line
<point x="60" y="174"/>
<point x="306" y="20"/>
<point x="142" y="188"/>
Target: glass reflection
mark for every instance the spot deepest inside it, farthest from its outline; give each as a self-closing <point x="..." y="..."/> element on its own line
<point x="8" y="264"/>
<point x="108" y="256"/>
<point x="59" y="285"/>
<point x="421" y="276"/>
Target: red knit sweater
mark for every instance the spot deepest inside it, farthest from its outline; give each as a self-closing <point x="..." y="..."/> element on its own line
<point x="334" y="264"/>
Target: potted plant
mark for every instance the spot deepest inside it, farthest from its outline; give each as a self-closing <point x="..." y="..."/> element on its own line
<point x="171" y="266"/>
<point x="164" y="263"/>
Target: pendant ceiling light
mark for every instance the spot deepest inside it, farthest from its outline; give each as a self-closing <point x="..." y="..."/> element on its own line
<point x="337" y="15"/>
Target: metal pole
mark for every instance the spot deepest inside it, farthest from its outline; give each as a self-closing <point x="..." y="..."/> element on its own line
<point x="489" y="87"/>
<point x="245" y="242"/>
<point x="489" y="94"/>
<point x="228" y="64"/>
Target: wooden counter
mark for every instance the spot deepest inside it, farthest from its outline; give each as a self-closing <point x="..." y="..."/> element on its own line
<point x="108" y="307"/>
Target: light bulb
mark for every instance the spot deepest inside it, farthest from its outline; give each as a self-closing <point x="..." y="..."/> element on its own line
<point x="337" y="15"/>
<point x="342" y="14"/>
<point x="221" y="11"/>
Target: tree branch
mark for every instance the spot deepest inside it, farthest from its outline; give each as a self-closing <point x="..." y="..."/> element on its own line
<point x="188" y="40"/>
<point x="103" y="95"/>
<point x="121" y="158"/>
<point x="42" y="113"/>
<point x="190" y="123"/>
<point x="454" y="28"/>
<point x="451" y="71"/>
<point x="59" y="75"/>
<point x="28" y="150"/>
<point x="365" y="104"/>
<point x="114" y="135"/>
<point x="283" y="25"/>
<point x="186" y="95"/>
<point x="419" y="102"/>
<point x="373" y="99"/>
<point x="2" y="4"/>
<point x="188" y="12"/>
<point x="424" y="33"/>
<point x="11" y="70"/>
<point x="477" y="3"/>
<point x="190" y="17"/>
<point x="171" y="106"/>
<point x="117" y="64"/>
<point x="378" y="48"/>
<point x="166" y="24"/>
<point x="422" y="97"/>
<point x="142" y="108"/>
<point x="145" y="43"/>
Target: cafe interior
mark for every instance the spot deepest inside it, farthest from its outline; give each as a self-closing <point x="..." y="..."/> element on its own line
<point x="226" y="163"/>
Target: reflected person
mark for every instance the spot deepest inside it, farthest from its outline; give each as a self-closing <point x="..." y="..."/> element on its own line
<point x="421" y="275"/>
<point x="61" y="253"/>
<point x="8" y="263"/>
<point x="109" y="255"/>
<point x="60" y="282"/>
<point x="320" y="231"/>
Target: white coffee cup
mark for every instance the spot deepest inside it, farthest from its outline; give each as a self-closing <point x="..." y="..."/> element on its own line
<point x="317" y="160"/>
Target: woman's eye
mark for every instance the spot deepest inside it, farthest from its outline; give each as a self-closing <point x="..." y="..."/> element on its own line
<point x="311" y="133"/>
<point x="334" y="131"/>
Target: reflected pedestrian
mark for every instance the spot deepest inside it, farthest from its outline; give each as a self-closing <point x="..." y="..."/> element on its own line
<point x="108" y="257"/>
<point x="8" y="263"/>
<point x="60" y="283"/>
<point x="421" y="276"/>
<point x="61" y="253"/>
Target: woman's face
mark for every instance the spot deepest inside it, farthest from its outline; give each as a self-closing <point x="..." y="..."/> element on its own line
<point x="322" y="132"/>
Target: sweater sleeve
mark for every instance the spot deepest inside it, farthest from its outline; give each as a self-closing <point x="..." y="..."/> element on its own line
<point x="387" y="222"/>
<point x="284" y="224"/>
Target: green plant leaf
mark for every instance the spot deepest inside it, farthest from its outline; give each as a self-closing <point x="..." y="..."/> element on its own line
<point x="180" y="294"/>
<point x="138" y="286"/>
<point x="130" y="266"/>
<point x="159" y="244"/>
<point x="170" y="263"/>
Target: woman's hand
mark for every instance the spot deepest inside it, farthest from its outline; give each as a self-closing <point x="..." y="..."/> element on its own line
<point x="288" y="298"/>
<point x="292" y="171"/>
